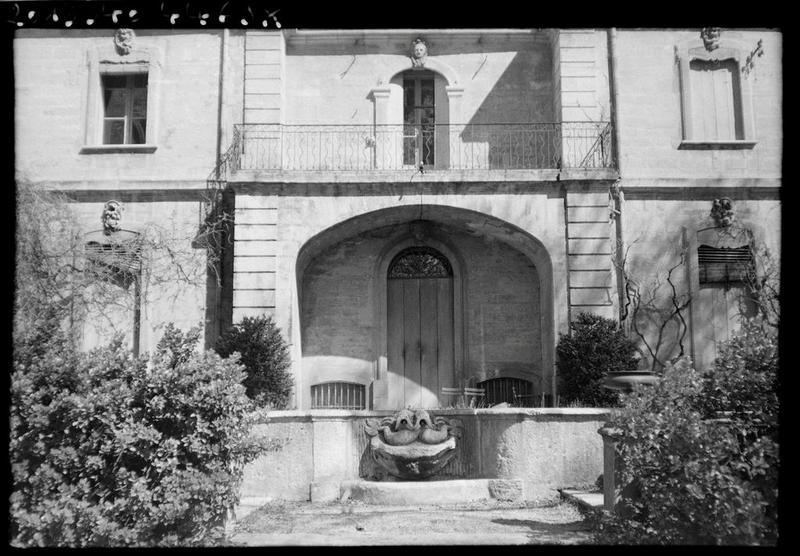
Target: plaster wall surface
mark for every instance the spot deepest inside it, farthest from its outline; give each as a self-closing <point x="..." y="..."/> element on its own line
<point x="534" y="449"/>
<point x="174" y="276"/>
<point x="52" y="81"/>
<point x="545" y="448"/>
<point x="286" y="470"/>
<point x="657" y="230"/>
<point x="649" y="109"/>
<point x="504" y="80"/>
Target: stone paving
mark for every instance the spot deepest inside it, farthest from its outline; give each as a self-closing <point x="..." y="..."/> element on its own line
<point x="352" y="524"/>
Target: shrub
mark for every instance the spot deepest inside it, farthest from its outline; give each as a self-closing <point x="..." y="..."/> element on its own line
<point x="689" y="476"/>
<point x="596" y="347"/>
<point x="744" y="380"/>
<point x="105" y="452"/>
<point x="265" y="357"/>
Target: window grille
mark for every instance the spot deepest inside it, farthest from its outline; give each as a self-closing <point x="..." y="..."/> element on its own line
<point x="420" y="262"/>
<point x="338" y="395"/>
<point x="724" y="264"/>
<point x="120" y="263"/>
<point x="515" y="391"/>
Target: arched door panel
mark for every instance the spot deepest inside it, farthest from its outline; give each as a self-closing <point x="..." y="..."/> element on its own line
<point x="419" y="328"/>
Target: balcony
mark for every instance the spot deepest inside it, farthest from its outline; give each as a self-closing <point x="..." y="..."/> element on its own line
<point x="369" y="149"/>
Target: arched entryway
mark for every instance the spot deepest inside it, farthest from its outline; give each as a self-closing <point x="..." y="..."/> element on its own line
<point x="409" y="300"/>
<point x="419" y="327"/>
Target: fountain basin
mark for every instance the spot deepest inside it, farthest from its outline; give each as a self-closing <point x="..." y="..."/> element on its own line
<point x="412" y="461"/>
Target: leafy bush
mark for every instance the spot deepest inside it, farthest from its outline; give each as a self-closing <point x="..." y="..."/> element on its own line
<point x="698" y="452"/>
<point x="265" y="357"/>
<point x="596" y="347"/>
<point x="744" y="380"/>
<point x="105" y="452"/>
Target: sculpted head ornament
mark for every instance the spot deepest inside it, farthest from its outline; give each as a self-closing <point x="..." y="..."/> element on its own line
<point x="419" y="52"/>
<point x="722" y="212"/>
<point x="112" y="214"/>
<point x="710" y="36"/>
<point x="123" y="41"/>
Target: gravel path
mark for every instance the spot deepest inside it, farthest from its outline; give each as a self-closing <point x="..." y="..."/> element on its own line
<point x="349" y="524"/>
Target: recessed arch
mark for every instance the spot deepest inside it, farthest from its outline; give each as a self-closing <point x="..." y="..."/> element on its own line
<point x="468" y="223"/>
<point x="400" y="64"/>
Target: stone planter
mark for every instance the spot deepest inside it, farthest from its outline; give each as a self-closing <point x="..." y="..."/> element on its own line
<point x="612" y="465"/>
<point x="625" y="381"/>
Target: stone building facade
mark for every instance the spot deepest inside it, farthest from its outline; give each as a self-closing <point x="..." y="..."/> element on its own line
<point x="418" y="210"/>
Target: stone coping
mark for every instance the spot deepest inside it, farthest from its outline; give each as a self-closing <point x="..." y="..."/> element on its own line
<point x="295" y="415"/>
<point x="256" y="176"/>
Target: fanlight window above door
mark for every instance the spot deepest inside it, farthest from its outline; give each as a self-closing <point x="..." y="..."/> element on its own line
<point x="420" y="262"/>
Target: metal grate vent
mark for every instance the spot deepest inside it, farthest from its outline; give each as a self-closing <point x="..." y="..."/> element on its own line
<point x="515" y="391"/>
<point x="120" y="257"/>
<point x="338" y="395"/>
<point x="724" y="264"/>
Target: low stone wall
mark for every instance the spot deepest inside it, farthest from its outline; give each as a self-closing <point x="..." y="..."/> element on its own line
<point x="314" y="452"/>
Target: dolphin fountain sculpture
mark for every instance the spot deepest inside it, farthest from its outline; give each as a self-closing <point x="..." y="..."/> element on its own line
<point x="412" y="444"/>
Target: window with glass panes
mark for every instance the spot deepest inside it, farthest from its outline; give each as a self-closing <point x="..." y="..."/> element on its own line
<point x="124" y="108"/>
<point x="419" y="118"/>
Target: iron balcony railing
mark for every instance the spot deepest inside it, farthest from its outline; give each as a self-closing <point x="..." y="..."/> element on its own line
<point x="434" y="147"/>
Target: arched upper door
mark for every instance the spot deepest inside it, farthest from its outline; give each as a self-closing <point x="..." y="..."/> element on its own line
<point x="419" y="119"/>
<point x="419" y="102"/>
<point x="420" y="341"/>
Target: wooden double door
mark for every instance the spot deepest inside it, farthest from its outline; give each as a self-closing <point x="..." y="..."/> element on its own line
<point x="419" y="328"/>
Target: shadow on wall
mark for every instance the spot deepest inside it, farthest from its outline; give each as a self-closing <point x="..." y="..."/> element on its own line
<point x="523" y="94"/>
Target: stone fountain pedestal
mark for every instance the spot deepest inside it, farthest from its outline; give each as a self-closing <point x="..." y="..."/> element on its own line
<point x="411" y="448"/>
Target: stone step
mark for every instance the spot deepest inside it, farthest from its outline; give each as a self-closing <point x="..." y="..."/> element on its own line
<point x="587" y="500"/>
<point x="416" y="493"/>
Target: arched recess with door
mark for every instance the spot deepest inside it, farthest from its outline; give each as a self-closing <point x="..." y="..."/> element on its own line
<point x="407" y="300"/>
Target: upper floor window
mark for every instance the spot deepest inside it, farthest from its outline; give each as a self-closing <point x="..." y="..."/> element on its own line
<point x="716" y="100"/>
<point x="122" y="98"/>
<point x="419" y="118"/>
<point x="716" y="103"/>
<point x="124" y="108"/>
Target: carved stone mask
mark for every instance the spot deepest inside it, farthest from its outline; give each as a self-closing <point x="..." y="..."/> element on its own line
<point x="722" y="212"/>
<point x="123" y="41"/>
<point x="710" y="36"/>
<point x="112" y="214"/>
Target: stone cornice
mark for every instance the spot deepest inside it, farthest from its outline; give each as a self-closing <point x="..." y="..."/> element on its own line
<point x="377" y="37"/>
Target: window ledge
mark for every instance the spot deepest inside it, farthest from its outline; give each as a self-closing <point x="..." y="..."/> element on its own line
<point x="713" y="145"/>
<point x="105" y="149"/>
